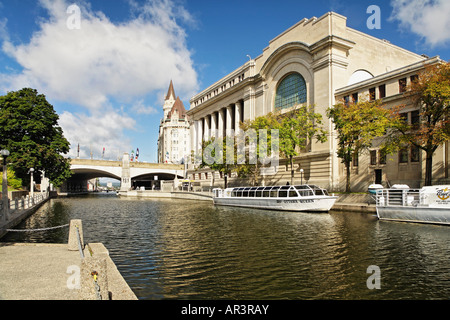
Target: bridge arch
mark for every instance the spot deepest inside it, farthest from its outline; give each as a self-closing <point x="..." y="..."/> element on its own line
<point x="130" y="174"/>
<point x="152" y="180"/>
<point x="87" y="174"/>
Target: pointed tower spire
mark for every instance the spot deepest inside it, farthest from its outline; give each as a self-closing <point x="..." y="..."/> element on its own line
<point x="171" y="92"/>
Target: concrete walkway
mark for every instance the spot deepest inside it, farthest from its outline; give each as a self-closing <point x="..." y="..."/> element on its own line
<point x="47" y="272"/>
<point x="36" y="271"/>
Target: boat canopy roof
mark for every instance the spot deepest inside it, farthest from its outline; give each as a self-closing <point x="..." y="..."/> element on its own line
<point x="284" y="187"/>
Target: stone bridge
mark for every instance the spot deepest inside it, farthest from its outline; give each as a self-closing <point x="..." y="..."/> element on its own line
<point x="130" y="174"/>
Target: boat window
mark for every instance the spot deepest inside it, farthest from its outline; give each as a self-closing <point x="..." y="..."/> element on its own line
<point x="266" y="193"/>
<point x="317" y="191"/>
<point x="260" y="188"/>
<point x="259" y="193"/>
<point x="252" y="193"/>
<point x="274" y="191"/>
<point x="302" y="187"/>
<point x="233" y="193"/>
<point x="283" y="193"/>
<point x="305" y="193"/>
<point x="292" y="193"/>
<point x="285" y="187"/>
<point x="245" y="193"/>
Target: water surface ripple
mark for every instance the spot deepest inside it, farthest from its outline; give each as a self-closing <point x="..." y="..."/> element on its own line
<point x="182" y="249"/>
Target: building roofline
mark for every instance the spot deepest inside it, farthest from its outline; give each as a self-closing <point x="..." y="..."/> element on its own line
<point x="390" y="74"/>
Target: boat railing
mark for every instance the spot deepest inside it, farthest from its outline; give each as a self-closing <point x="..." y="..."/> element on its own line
<point x="397" y="197"/>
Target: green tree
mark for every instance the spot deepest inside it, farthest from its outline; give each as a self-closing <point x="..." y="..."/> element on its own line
<point x="214" y="156"/>
<point x="430" y="94"/>
<point x="357" y="124"/>
<point x="29" y="130"/>
<point x="298" y="127"/>
<point x="253" y="132"/>
<point x="13" y="181"/>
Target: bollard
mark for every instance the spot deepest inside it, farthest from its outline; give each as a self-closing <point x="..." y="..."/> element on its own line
<point x="76" y="241"/>
<point x="94" y="280"/>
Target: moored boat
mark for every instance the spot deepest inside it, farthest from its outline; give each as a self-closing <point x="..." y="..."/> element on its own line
<point x="429" y="204"/>
<point x="309" y="198"/>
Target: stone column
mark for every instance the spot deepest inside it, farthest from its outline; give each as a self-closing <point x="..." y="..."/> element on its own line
<point x="221" y="123"/>
<point x="207" y="133"/>
<point x="213" y="124"/>
<point x="237" y="116"/>
<point x="193" y="136"/>
<point x="125" y="184"/>
<point x="228" y="129"/>
<point x="200" y="135"/>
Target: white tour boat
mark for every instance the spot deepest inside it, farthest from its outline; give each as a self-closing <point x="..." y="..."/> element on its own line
<point x="288" y="198"/>
<point x="425" y="205"/>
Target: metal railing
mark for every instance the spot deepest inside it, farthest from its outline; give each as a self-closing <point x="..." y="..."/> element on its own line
<point x="397" y="197"/>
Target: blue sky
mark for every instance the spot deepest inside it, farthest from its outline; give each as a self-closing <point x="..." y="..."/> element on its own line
<point x="107" y="78"/>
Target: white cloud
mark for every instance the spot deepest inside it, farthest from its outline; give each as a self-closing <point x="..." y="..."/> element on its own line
<point x="102" y="62"/>
<point x="95" y="132"/>
<point x="103" y="59"/>
<point x="140" y="108"/>
<point x="427" y="18"/>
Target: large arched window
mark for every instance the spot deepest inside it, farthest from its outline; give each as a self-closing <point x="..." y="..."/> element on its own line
<point x="291" y="91"/>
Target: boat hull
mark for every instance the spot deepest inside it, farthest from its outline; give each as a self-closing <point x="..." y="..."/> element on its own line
<point x="417" y="214"/>
<point x="316" y="204"/>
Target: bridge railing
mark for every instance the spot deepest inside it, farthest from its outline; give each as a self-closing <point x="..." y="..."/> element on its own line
<point x="27" y="202"/>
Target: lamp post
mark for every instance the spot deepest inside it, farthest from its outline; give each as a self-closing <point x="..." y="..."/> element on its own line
<point x="301" y="176"/>
<point x="5" y="153"/>
<point x="31" y="182"/>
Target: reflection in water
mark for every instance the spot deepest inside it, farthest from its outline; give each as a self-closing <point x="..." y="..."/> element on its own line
<point x="168" y="249"/>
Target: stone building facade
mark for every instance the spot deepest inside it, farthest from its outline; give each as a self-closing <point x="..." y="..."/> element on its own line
<point x="315" y="62"/>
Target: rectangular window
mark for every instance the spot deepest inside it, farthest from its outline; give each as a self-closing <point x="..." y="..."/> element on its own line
<point x="402" y="85"/>
<point x="415" y="154"/>
<point x="372" y="94"/>
<point x="346" y="100"/>
<point x="382" y="91"/>
<point x="382" y="158"/>
<point x="373" y="157"/>
<point x="414" y="78"/>
<point x="355" y="159"/>
<point x="355" y="97"/>
<point x="403" y="155"/>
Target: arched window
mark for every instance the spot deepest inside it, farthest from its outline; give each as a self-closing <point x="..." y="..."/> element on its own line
<point x="291" y="91"/>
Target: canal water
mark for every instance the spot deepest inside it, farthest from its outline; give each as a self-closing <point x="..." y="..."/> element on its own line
<point x="184" y="249"/>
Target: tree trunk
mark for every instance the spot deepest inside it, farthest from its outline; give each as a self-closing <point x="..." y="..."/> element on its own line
<point x="347" y="185"/>
<point x="428" y="168"/>
<point x="292" y="170"/>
